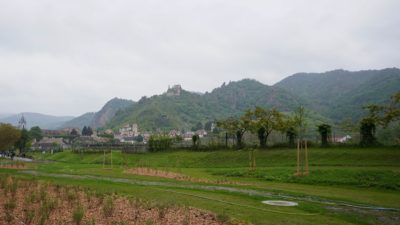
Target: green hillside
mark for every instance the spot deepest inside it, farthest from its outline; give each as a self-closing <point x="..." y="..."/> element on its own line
<point x="330" y="96"/>
<point x="341" y="94"/>
<point x="187" y="109"/>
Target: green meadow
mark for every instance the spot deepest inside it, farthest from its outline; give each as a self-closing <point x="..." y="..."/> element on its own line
<point x="345" y="185"/>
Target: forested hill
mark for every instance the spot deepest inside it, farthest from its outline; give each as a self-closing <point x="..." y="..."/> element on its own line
<point x="330" y="96"/>
<point x="341" y="94"/>
<point x="187" y="109"/>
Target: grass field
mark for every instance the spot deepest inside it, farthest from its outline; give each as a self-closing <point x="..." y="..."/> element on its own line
<point x="342" y="185"/>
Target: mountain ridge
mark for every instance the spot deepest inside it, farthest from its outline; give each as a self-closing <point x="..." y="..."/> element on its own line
<point x="37" y="119"/>
<point x="187" y="109"/>
<point x="100" y="118"/>
<point x="332" y="96"/>
<point x="340" y="93"/>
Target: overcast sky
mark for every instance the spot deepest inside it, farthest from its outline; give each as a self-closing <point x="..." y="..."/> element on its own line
<point x="70" y="57"/>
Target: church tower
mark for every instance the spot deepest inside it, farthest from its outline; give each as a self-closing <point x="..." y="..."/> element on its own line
<point x="22" y="122"/>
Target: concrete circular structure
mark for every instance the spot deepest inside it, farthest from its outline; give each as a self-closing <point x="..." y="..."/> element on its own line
<point x="280" y="203"/>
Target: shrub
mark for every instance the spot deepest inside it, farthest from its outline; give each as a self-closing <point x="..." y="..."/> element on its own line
<point x="149" y="222"/>
<point x="77" y="214"/>
<point x="29" y="215"/>
<point x="43" y="194"/>
<point x="162" y="210"/>
<point x="71" y="195"/>
<point x="160" y="143"/>
<point x="91" y="222"/>
<point x="10" y="205"/>
<point x="3" y="182"/>
<point x="9" y="208"/>
<point x="31" y="197"/>
<point x="223" y="217"/>
<point x="186" y="219"/>
<point x="46" y="207"/>
<point x="108" y="207"/>
<point x="14" y="187"/>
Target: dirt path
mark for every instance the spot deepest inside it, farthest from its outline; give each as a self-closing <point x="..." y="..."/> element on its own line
<point x="145" y="171"/>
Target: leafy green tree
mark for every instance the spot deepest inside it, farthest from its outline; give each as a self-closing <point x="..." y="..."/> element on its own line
<point x="393" y="111"/>
<point x="291" y="129"/>
<point x="324" y="131"/>
<point x="74" y="132"/>
<point x="89" y="131"/>
<point x="23" y="142"/>
<point x="84" y="131"/>
<point x="262" y="136"/>
<point x="379" y="115"/>
<point x="264" y="121"/>
<point x="139" y="138"/>
<point x="229" y="126"/>
<point x="299" y="121"/>
<point x="160" y="143"/>
<point x="36" y="133"/>
<point x="291" y="135"/>
<point x="9" y="135"/>
<point x="385" y="114"/>
<point x="237" y="127"/>
<point x="367" y="132"/>
<point x="195" y="141"/>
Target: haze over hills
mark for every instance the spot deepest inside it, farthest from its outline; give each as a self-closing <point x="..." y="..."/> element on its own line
<point x="37" y="119"/>
<point x="4" y="115"/>
<point x="80" y="121"/>
<point x="331" y="96"/>
<point x="100" y="118"/>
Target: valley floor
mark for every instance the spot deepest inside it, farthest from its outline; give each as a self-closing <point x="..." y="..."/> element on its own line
<point x="345" y="186"/>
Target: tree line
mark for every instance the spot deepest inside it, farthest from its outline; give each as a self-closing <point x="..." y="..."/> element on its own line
<point x="13" y="138"/>
<point x="379" y="115"/>
<point x="262" y="122"/>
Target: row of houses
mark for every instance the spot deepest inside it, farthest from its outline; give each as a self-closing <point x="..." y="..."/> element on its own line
<point x="128" y="134"/>
<point x="59" y="143"/>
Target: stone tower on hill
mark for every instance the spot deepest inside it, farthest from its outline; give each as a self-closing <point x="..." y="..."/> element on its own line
<point x="174" y="90"/>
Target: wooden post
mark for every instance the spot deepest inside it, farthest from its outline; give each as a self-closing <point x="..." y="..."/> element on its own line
<point x="254" y="159"/>
<point x="306" y="157"/>
<point x="301" y="157"/>
<point x="104" y="158"/>
<point x="226" y="139"/>
<point x="298" y="157"/>
<point x="250" y="159"/>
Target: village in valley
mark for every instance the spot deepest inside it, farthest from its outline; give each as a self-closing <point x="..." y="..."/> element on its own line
<point x="129" y="134"/>
<point x="200" y="112"/>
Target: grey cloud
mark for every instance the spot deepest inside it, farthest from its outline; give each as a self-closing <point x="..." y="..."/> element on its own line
<point x="69" y="57"/>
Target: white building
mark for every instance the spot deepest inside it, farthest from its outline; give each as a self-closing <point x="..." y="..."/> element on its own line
<point x="129" y="130"/>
